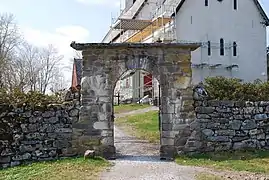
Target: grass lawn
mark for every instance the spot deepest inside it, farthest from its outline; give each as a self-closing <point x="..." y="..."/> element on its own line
<point x="207" y="176"/>
<point x="129" y="107"/>
<point x="143" y="126"/>
<point x="67" y="169"/>
<point x="251" y="161"/>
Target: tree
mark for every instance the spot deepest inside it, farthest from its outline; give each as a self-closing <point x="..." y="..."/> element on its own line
<point x="49" y="59"/>
<point x="28" y="65"/>
<point x="9" y="40"/>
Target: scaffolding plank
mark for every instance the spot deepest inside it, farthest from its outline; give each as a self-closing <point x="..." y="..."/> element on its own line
<point x="132" y="24"/>
<point x="156" y="24"/>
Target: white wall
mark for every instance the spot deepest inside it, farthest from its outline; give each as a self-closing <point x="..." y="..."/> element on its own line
<point x="198" y="23"/>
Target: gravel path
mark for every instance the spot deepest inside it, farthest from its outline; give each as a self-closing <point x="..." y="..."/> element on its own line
<point x="139" y="160"/>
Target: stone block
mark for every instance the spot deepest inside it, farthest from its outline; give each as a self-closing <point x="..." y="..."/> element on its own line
<point x="235" y="124"/>
<point x="204" y="110"/>
<point x="109" y="141"/>
<point x="103" y="125"/>
<point x="167" y="141"/>
<point x="208" y="132"/>
<point x="5" y="159"/>
<point x="248" y="125"/>
<point x="167" y="152"/>
<point x="167" y="127"/>
<point x="219" y="138"/>
<point x="169" y="134"/>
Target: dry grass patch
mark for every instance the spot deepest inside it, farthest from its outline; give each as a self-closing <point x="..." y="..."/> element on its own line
<point x="207" y="176"/>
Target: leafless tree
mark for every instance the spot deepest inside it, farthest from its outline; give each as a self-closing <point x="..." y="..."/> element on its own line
<point x="28" y="65"/>
<point x="23" y="65"/>
<point x="58" y="81"/>
<point x="9" y="40"/>
<point x="50" y="59"/>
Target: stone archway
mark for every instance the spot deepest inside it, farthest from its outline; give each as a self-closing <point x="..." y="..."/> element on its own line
<point x="103" y="65"/>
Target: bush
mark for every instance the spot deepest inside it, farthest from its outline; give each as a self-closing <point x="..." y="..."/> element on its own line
<point x="221" y="88"/>
<point x="32" y="98"/>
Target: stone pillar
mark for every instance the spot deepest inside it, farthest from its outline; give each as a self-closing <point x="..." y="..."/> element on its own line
<point x="174" y="109"/>
<point x="94" y="130"/>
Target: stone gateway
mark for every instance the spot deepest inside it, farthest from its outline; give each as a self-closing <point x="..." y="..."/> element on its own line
<point x="103" y="65"/>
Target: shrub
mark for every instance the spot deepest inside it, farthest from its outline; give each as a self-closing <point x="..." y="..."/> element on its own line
<point x="221" y="88"/>
<point x="31" y="98"/>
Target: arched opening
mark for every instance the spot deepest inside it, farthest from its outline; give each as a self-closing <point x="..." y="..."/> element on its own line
<point x="136" y="109"/>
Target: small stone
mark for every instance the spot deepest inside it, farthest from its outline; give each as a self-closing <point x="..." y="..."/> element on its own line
<point x="74" y="112"/>
<point x="227" y="103"/>
<point x="225" y="132"/>
<point x="218" y="138"/>
<point x="15" y="163"/>
<point x="5" y="159"/>
<point x="202" y="116"/>
<point x="89" y="154"/>
<point x="235" y="124"/>
<point x="249" y="124"/>
<point x="52" y="120"/>
<point x="208" y="132"/>
<point x="52" y="153"/>
<point x="204" y="110"/>
<point x="48" y="114"/>
<point x="260" y="117"/>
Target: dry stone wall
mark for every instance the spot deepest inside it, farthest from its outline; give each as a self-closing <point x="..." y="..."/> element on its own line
<point x="36" y="134"/>
<point x="228" y="125"/>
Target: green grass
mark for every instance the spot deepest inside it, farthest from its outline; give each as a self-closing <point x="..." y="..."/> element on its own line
<point x="143" y="126"/>
<point x="67" y="169"/>
<point x="207" y="176"/>
<point x="251" y="160"/>
<point x="129" y="107"/>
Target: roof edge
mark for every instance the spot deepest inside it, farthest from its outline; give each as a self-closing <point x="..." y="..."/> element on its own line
<point x="84" y="46"/>
<point x="257" y="3"/>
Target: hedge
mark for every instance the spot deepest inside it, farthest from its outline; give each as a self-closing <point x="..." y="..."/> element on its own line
<point x="221" y="88"/>
<point x="32" y="98"/>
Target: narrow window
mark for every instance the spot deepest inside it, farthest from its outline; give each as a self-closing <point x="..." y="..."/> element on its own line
<point x="234" y="49"/>
<point x="235" y="4"/>
<point x="209" y="48"/>
<point x="206" y="2"/>
<point x="191" y="19"/>
<point x="221" y="47"/>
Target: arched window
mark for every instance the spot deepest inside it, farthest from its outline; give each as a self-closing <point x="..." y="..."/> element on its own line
<point x="235" y="4"/>
<point x="209" y="48"/>
<point x="221" y="47"/>
<point x="234" y="49"/>
<point x="206" y="2"/>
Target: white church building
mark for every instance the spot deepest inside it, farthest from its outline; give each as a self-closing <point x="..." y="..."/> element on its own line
<point x="232" y="34"/>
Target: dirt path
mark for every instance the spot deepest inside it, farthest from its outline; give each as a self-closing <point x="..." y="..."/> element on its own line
<point x="139" y="159"/>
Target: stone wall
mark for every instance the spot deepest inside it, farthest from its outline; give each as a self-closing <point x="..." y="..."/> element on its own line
<point x="36" y="134"/>
<point x="228" y="125"/>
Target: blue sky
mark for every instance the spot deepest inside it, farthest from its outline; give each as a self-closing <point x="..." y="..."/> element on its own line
<point x="59" y="22"/>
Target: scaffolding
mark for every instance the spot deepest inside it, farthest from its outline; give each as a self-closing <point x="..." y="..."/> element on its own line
<point x="136" y="25"/>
